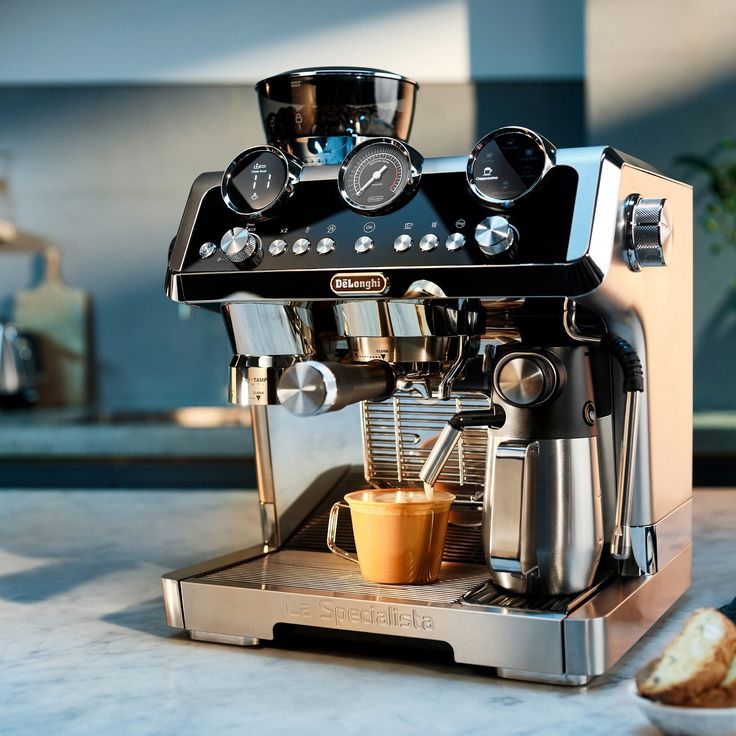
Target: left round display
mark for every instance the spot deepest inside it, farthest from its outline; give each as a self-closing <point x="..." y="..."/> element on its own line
<point x="258" y="180"/>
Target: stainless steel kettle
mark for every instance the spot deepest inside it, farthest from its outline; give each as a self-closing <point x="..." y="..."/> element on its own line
<point x="20" y="366"/>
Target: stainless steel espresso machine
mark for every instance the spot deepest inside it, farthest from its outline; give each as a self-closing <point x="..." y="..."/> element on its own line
<point x="513" y="325"/>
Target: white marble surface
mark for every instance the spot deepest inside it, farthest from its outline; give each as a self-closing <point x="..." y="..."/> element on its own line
<point x="84" y="648"/>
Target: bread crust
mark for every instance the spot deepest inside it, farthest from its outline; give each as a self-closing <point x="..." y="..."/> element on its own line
<point x="723" y="696"/>
<point x="707" y="678"/>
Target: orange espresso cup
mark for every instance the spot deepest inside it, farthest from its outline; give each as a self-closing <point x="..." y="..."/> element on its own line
<point x="399" y="534"/>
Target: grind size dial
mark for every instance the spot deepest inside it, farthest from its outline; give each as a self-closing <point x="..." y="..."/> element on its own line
<point x="379" y="175"/>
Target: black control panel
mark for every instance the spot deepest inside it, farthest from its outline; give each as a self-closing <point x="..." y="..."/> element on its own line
<point x="315" y="229"/>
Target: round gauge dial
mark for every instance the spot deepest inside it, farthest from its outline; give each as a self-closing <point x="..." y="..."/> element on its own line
<point x="508" y="163"/>
<point x="378" y="174"/>
<point x="258" y="179"/>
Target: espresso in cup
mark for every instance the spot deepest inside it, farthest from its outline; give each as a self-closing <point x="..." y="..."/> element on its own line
<point x="399" y="534"/>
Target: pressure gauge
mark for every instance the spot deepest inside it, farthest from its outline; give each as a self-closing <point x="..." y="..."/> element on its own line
<point x="258" y="180"/>
<point x="507" y="164"/>
<point x="379" y="175"/>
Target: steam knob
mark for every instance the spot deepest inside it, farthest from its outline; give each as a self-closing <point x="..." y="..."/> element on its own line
<point x="525" y="380"/>
<point x="311" y="387"/>
<point x="239" y="244"/>
<point x="651" y="232"/>
<point x="495" y="235"/>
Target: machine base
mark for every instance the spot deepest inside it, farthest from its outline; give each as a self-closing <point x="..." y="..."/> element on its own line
<point x="564" y="641"/>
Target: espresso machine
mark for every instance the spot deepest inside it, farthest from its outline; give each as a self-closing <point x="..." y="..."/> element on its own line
<point x="513" y="325"/>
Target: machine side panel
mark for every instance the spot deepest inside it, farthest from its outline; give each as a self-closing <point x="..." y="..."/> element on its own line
<point x="653" y="310"/>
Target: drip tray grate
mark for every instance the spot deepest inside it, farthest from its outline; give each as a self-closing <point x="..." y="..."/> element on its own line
<point x="323" y="571"/>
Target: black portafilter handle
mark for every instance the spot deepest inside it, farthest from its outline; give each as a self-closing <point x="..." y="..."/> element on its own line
<point x="312" y="387"/>
<point x="448" y="438"/>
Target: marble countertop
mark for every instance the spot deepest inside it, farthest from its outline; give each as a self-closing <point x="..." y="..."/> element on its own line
<point x="84" y="648"/>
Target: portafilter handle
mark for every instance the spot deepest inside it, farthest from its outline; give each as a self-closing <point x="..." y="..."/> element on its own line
<point x="310" y="387"/>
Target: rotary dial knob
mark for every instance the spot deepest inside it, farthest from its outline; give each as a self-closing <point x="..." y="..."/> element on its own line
<point x="241" y="245"/>
<point x="525" y="380"/>
<point x="495" y="235"/>
<point x="651" y="230"/>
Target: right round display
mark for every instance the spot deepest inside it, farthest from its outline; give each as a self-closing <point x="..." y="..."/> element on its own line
<point x="508" y="163"/>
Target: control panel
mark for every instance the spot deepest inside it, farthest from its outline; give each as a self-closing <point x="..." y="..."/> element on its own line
<point x="443" y="225"/>
<point x="499" y="222"/>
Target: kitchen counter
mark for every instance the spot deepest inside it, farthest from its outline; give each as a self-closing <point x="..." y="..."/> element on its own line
<point x="84" y="648"/>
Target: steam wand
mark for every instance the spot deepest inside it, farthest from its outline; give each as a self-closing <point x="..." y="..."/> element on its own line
<point x="430" y="472"/>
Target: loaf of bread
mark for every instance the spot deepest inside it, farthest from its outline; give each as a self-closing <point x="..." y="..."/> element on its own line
<point x="721" y="696"/>
<point x="697" y="661"/>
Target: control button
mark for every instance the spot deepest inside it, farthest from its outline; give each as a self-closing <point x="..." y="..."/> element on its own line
<point x="495" y="235"/>
<point x="651" y="231"/>
<point x="364" y="244"/>
<point x="300" y="246"/>
<point x="326" y="245"/>
<point x="429" y="242"/>
<point x="402" y="243"/>
<point x="239" y="244"/>
<point x="206" y="250"/>
<point x="277" y="247"/>
<point x="455" y="241"/>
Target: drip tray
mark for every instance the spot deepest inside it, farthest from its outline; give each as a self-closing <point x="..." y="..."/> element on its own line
<point x="326" y="573"/>
<point x="323" y="572"/>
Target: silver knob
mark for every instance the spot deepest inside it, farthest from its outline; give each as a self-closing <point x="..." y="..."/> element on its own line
<point x="277" y="247"/>
<point x="525" y="380"/>
<point x="325" y="246"/>
<point x="364" y="244"/>
<point x="429" y="242"/>
<point x="651" y="231"/>
<point x="402" y="243"/>
<point x="206" y="250"/>
<point x="238" y="244"/>
<point x="311" y="387"/>
<point x="455" y="241"/>
<point x="301" y="246"/>
<point x="495" y="235"/>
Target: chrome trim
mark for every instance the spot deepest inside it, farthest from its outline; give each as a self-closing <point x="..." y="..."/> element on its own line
<point x="270" y="532"/>
<point x="621" y="540"/>
<point x="292" y="166"/>
<point x="341" y="72"/>
<point x="656" y="545"/>
<point x="172" y="602"/>
<point x="542" y="143"/>
<point x="240" y="641"/>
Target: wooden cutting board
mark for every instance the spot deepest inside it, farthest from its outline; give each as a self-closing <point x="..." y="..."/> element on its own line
<point x="59" y="317"/>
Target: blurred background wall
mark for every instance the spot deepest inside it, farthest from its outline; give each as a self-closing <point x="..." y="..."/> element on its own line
<point x="661" y="84"/>
<point x="109" y="111"/>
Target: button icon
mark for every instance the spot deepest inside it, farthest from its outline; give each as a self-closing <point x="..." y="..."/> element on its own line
<point x="487" y="171"/>
<point x="369" y="227"/>
<point x="331" y="229"/>
<point x="459" y="224"/>
<point x="434" y="224"/>
<point x="408" y="225"/>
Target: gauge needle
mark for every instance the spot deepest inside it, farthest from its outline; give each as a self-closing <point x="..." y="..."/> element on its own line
<point x="376" y="175"/>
